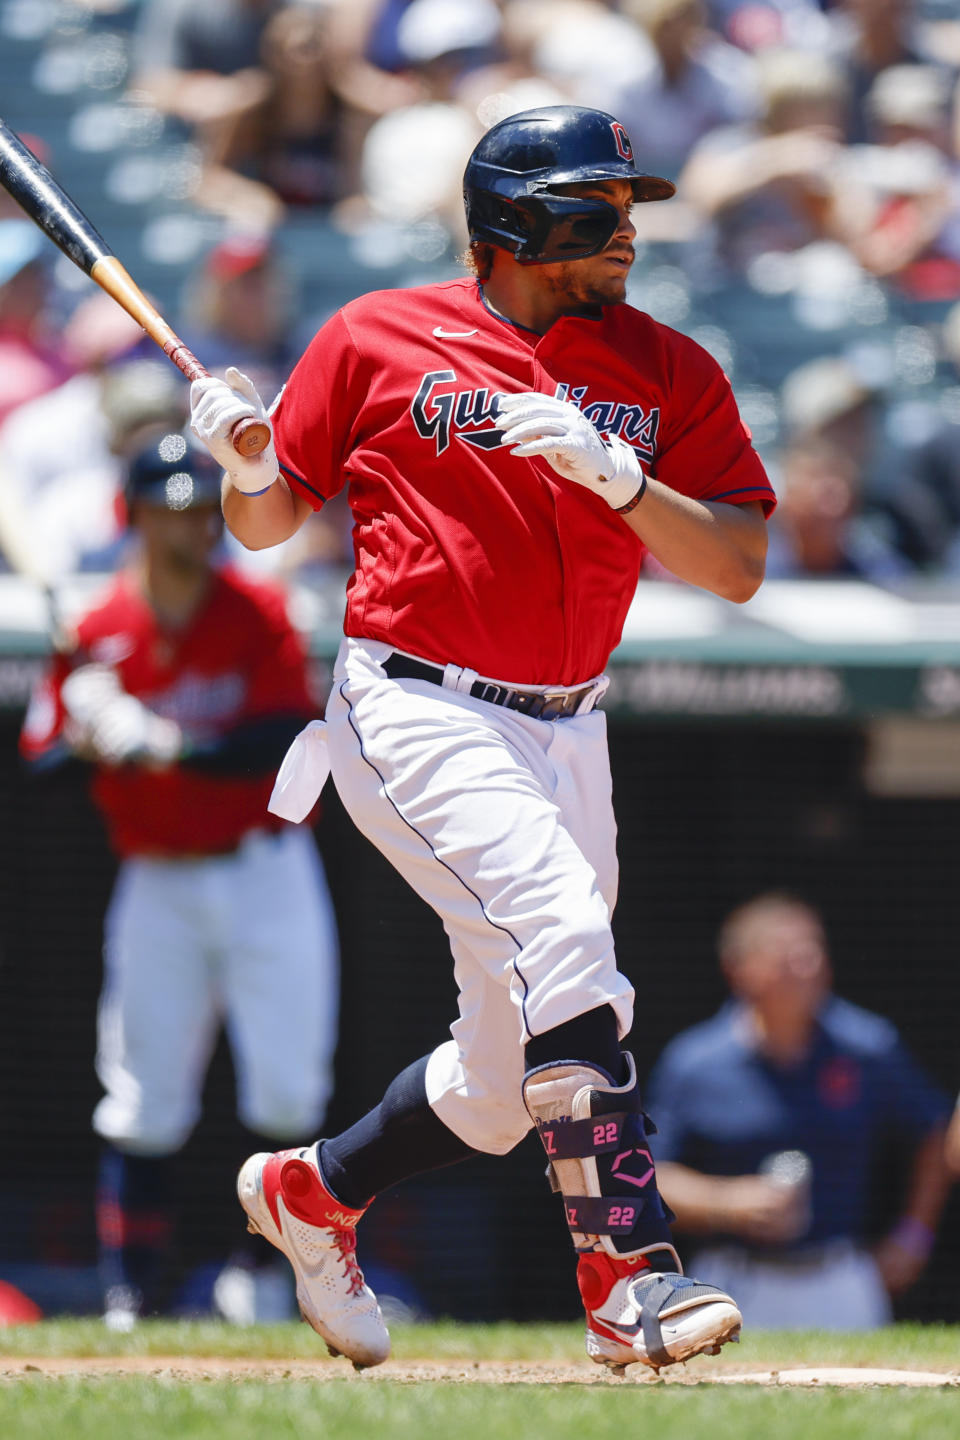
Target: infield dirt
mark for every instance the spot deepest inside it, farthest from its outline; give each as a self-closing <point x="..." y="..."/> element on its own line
<point x="487" y="1372"/>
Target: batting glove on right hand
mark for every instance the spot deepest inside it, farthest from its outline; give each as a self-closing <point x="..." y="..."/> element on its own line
<point x="215" y="407"/>
<point x="535" y="424"/>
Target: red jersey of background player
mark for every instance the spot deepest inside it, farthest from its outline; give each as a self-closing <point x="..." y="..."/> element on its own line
<point x="234" y="679"/>
<point x="537" y="573"/>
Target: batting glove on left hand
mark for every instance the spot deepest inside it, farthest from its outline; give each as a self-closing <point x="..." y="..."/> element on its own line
<point x="536" y="424"/>
<point x="127" y="732"/>
<point x="215" y="407"/>
<point x="108" y="724"/>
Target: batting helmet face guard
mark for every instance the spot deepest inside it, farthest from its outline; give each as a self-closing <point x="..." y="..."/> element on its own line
<point x="172" y="472"/>
<point x="510" y="184"/>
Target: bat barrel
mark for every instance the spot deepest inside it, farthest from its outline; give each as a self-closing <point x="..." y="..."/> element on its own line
<point x="35" y="190"/>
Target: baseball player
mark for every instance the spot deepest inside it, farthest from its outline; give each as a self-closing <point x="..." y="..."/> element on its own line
<point x="512" y="442"/>
<point x="184" y="686"/>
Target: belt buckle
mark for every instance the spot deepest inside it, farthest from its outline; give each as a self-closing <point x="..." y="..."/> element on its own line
<point x="551" y="699"/>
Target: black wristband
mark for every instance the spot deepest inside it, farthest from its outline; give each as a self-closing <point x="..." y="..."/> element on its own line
<point x="632" y="504"/>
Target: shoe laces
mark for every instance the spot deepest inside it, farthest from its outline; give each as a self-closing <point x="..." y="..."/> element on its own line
<point x="346" y="1243"/>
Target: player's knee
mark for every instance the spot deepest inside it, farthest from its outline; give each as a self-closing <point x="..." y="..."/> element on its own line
<point x="139" y="1131"/>
<point x="284" y="1116"/>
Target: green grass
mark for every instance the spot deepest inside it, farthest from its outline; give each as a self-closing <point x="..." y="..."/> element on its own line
<point x="338" y="1403"/>
<point x="920" y="1347"/>
<point x="128" y="1409"/>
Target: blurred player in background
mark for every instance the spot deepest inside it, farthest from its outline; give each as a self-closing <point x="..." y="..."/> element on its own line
<point x="512" y="440"/>
<point x="773" y="1117"/>
<point x="183" y="687"/>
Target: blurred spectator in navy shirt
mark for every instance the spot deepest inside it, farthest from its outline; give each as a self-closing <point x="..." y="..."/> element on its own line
<point x="773" y="1118"/>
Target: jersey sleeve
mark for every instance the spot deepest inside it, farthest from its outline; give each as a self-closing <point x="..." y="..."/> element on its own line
<point x="316" y="412"/>
<point x="913" y="1105"/>
<point x="41" y="736"/>
<point x="706" y="450"/>
<point x="663" y="1101"/>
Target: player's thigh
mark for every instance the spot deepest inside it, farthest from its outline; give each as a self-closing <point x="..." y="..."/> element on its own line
<point x="584" y="794"/>
<point x="461" y="799"/>
<point x="157" y="1015"/>
<point x="280" y="981"/>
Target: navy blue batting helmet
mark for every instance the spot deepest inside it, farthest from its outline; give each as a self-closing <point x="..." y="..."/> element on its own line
<point x="510" y="183"/>
<point x="173" y="471"/>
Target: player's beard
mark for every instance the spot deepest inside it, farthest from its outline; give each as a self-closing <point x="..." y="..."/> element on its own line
<point x="583" y="284"/>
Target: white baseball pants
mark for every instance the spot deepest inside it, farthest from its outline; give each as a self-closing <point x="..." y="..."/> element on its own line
<point x="839" y="1290"/>
<point x="247" y="939"/>
<point x="504" y="825"/>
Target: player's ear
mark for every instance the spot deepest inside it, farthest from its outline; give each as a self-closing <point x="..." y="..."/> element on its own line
<point x="732" y="970"/>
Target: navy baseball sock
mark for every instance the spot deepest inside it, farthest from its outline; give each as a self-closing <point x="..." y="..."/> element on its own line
<point x="591" y="1037"/>
<point x="398" y="1138"/>
<point x="135" y="1223"/>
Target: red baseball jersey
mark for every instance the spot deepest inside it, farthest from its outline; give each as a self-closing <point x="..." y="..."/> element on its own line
<point x="532" y="575"/>
<point x="238" y="660"/>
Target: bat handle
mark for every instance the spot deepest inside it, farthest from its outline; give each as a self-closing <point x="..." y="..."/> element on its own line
<point x="249" y="436"/>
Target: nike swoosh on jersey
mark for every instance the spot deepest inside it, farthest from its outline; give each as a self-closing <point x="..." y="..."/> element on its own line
<point x="442" y="334"/>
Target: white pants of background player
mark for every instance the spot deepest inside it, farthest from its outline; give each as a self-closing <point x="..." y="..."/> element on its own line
<point x="835" y="1287"/>
<point x="248" y="940"/>
<point x="504" y="825"/>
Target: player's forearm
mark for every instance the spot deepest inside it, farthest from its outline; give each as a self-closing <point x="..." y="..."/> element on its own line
<point x="902" y="1254"/>
<point x="951" y="1143"/>
<point x="928" y="1184"/>
<point x="707" y="1204"/>
<point x="696" y="1199"/>
<point x="720" y="547"/>
<point x="254" y="747"/>
<point x="259" y="521"/>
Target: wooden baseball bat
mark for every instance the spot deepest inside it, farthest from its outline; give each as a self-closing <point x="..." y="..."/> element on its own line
<point x="39" y="195"/>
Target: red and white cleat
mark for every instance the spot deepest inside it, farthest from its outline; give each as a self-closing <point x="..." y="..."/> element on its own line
<point x="650" y="1317"/>
<point x="288" y="1203"/>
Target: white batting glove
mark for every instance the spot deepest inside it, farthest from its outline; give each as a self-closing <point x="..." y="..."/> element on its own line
<point x="88" y="690"/>
<point x="108" y="724"/>
<point x="127" y="731"/>
<point x="215" y="407"/>
<point x="536" y="424"/>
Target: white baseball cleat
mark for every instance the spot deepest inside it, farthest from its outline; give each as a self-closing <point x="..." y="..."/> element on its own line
<point x="287" y="1202"/>
<point x="656" y="1319"/>
<point x="122" y="1309"/>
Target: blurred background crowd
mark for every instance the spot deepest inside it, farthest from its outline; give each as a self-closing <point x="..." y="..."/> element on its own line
<point x="255" y="163"/>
